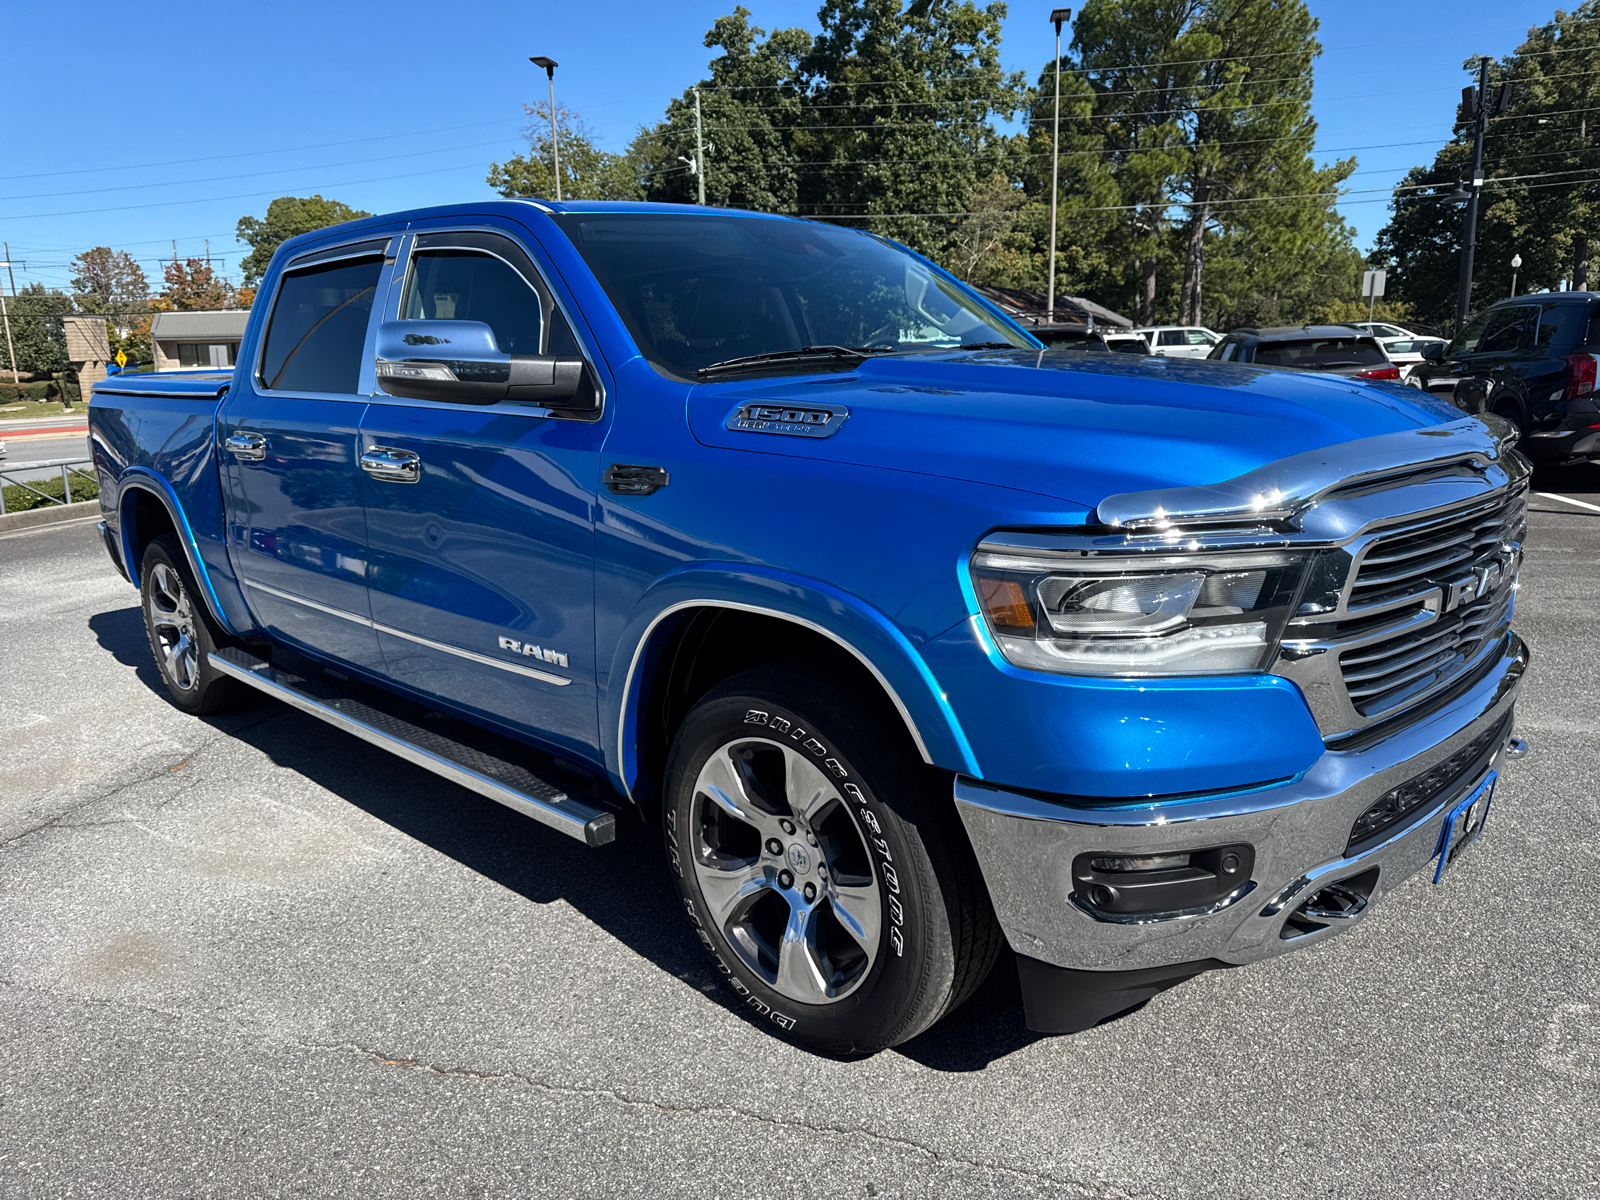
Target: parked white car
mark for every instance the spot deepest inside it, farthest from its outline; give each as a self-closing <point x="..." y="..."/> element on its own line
<point x="1403" y="347"/>
<point x="1179" y="341"/>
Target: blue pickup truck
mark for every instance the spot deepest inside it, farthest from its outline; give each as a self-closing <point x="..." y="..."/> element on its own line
<point x="914" y="638"/>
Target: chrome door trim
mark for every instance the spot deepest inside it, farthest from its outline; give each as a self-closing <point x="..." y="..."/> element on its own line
<point x="644" y="639"/>
<point x="484" y="659"/>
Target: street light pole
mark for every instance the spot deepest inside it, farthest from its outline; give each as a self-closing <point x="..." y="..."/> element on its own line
<point x="1059" y="17"/>
<point x="1516" y="265"/>
<point x="550" y="65"/>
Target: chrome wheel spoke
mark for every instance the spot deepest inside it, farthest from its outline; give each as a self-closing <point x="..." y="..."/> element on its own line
<point x="726" y="891"/>
<point x="807" y="789"/>
<point x="798" y="974"/>
<point x="720" y="779"/>
<point x="859" y="913"/>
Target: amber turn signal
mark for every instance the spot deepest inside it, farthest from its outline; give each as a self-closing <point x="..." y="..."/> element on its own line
<point x="1006" y="603"/>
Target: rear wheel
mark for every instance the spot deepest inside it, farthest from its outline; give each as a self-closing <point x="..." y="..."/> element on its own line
<point x="182" y="632"/>
<point x="822" y="870"/>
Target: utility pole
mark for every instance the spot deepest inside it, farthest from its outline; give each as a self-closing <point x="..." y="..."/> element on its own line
<point x="699" y="148"/>
<point x="1482" y="108"/>
<point x="1059" y="17"/>
<point x="5" y="316"/>
<point x="550" y="65"/>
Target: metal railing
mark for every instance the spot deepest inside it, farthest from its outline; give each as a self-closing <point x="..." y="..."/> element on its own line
<point x="68" y="467"/>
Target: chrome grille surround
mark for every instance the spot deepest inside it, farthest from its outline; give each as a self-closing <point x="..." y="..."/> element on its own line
<point x="1414" y="541"/>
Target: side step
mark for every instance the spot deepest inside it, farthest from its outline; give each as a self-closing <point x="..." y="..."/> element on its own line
<point x="498" y="778"/>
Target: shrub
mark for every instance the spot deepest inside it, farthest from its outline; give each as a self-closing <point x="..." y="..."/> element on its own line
<point x="20" y="499"/>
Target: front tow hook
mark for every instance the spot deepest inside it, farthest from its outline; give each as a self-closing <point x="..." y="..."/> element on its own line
<point x="1516" y="748"/>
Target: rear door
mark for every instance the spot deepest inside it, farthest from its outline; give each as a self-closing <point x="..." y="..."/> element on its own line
<point x="287" y="437"/>
<point x="1484" y="364"/>
<point x="482" y="571"/>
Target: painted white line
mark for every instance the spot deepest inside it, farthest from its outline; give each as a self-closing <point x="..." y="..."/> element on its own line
<point x="1568" y="500"/>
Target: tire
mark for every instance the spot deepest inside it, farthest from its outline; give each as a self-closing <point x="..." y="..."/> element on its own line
<point x="182" y="631"/>
<point x="821" y="867"/>
<point x="1511" y="412"/>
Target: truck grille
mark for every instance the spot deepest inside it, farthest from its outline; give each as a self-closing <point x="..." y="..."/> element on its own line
<point x="1464" y="554"/>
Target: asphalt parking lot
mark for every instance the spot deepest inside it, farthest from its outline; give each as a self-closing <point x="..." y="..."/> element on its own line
<point x="251" y="956"/>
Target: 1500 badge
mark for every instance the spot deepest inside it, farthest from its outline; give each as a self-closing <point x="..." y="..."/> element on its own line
<point x="791" y="420"/>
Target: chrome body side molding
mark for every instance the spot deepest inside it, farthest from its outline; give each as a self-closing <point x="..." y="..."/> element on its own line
<point x="357" y="619"/>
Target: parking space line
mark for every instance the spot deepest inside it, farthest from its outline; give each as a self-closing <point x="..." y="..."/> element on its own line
<point x="1568" y="500"/>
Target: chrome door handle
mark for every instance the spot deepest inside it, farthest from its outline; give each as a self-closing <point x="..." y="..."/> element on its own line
<point x="247" y="447"/>
<point x="390" y="465"/>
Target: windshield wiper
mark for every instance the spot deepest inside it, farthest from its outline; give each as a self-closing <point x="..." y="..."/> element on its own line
<point x="992" y="346"/>
<point x="825" y="353"/>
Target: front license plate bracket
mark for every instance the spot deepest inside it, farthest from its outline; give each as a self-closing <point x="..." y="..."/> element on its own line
<point x="1463" y="823"/>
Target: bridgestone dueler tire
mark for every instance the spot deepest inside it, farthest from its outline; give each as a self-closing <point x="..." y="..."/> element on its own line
<point x="938" y="937"/>
<point x="164" y="577"/>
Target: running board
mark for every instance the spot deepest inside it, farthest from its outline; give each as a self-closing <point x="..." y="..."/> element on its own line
<point x="499" y="779"/>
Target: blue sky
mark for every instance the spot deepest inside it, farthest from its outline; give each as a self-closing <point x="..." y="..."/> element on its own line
<point x="181" y="118"/>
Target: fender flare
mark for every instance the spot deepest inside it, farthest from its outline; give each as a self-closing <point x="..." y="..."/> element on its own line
<point x="1509" y="397"/>
<point x="858" y="628"/>
<point x="142" y="479"/>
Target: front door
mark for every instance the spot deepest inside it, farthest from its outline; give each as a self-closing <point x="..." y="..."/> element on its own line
<point x="482" y="570"/>
<point x="287" y="440"/>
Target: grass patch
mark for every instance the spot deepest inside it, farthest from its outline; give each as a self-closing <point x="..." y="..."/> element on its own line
<point x="20" y="499"/>
<point x="19" y="410"/>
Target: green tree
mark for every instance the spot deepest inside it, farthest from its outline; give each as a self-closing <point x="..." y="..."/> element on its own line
<point x="287" y="217"/>
<point x="587" y="172"/>
<point x="1541" y="197"/>
<point x="109" y="283"/>
<point x="35" y="314"/>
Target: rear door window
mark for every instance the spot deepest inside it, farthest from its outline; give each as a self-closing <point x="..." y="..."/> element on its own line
<point x="1173" y="337"/>
<point x="318" y="327"/>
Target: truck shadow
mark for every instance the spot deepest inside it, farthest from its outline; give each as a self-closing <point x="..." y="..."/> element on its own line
<point x="623" y="888"/>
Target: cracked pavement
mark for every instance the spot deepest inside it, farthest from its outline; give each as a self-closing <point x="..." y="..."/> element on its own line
<point x="251" y="956"/>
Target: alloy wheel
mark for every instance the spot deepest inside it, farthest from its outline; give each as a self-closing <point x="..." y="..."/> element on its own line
<point x="172" y="622"/>
<point x="784" y="870"/>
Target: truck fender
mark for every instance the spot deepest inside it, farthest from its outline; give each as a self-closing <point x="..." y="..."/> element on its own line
<point x="142" y="479"/>
<point x="857" y="627"/>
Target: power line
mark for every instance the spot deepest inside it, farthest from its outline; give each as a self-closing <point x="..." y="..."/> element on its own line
<point x="174" y="162"/>
<point x="124" y="187"/>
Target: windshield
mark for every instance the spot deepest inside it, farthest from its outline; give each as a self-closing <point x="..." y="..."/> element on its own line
<point x="695" y="290"/>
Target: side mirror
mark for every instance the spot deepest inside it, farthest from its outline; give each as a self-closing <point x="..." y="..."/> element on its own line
<point x="460" y="362"/>
<point x="1433" y="352"/>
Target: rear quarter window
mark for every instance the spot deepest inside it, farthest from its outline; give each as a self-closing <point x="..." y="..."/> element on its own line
<point x="1561" y="326"/>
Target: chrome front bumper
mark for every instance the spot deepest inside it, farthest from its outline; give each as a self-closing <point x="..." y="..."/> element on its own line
<point x="1026" y="845"/>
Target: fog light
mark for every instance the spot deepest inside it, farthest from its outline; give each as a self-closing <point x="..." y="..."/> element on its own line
<point x="1160" y="884"/>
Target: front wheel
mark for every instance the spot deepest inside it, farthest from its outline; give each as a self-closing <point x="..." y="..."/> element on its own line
<point x="829" y="880"/>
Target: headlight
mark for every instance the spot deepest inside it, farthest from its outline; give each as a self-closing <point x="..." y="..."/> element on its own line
<point x="1148" y="615"/>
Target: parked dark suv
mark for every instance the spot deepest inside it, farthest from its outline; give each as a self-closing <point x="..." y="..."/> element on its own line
<point x="1531" y="360"/>
<point x="1339" y="349"/>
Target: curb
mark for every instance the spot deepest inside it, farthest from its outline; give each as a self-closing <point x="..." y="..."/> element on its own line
<point x="49" y="516"/>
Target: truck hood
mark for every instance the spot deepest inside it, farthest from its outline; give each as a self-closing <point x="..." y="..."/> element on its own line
<point x="1077" y="427"/>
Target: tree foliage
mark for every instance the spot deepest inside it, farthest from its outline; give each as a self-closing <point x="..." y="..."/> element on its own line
<point x="287" y="217"/>
<point x="1549" y="219"/>
<point x="1188" y="190"/>
<point x="587" y="172"/>
<point x="109" y="283"/>
<point x="193" y="284"/>
<point x="34" y="314"/>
